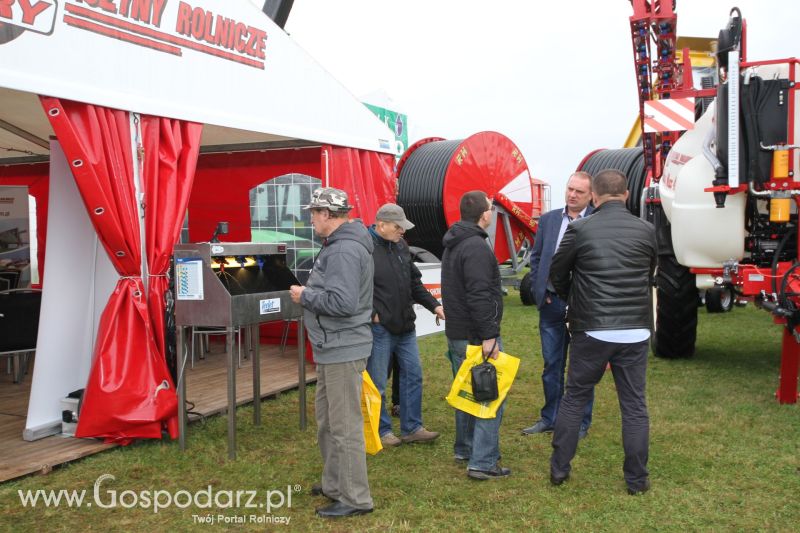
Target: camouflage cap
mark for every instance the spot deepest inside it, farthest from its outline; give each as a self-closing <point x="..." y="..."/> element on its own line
<point x="329" y="198"/>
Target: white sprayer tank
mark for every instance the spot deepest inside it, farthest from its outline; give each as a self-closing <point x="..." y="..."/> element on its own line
<point x="703" y="236"/>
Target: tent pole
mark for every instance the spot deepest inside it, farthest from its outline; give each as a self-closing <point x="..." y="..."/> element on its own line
<point x="137" y="153"/>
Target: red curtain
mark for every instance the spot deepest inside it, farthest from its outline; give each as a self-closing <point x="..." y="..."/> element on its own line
<point x="171" y="150"/>
<point x="129" y="393"/>
<point x="368" y="177"/>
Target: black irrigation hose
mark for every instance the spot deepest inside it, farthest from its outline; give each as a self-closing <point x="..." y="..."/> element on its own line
<point x="629" y="161"/>
<point x="776" y="258"/>
<point x="783" y="296"/>
<point x="421" y="186"/>
<point x="421" y="193"/>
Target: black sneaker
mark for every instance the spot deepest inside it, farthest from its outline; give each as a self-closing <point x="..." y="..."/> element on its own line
<point x="539" y="427"/>
<point x="494" y="473"/>
<point x="339" y="510"/>
<point x="641" y="490"/>
<point x="316" y="490"/>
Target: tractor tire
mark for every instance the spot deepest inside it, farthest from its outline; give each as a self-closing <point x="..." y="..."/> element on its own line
<point x="676" y="310"/>
<point x="719" y="299"/>
<point x="525" y="286"/>
<point x="421" y="255"/>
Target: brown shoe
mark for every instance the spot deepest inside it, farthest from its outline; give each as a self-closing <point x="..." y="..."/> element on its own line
<point x="420" y="435"/>
<point x="390" y="440"/>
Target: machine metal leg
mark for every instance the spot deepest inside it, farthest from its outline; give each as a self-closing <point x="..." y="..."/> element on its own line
<point x="232" y="364"/>
<point x="180" y="335"/>
<point x="790" y="358"/>
<point x="301" y="370"/>
<point x="254" y="334"/>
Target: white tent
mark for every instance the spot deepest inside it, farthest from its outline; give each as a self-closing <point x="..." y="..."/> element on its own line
<point x="221" y="63"/>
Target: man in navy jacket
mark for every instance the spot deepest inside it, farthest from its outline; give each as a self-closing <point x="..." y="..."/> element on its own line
<point x="552" y="309"/>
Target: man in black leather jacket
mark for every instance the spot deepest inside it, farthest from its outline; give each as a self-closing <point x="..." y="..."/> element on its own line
<point x="397" y="286"/>
<point x="604" y="270"/>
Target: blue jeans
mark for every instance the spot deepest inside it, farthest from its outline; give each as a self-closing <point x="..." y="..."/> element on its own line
<point x="404" y="346"/>
<point x="555" y="341"/>
<point x="476" y="438"/>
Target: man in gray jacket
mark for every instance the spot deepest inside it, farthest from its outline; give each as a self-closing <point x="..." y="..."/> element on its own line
<point x="337" y="302"/>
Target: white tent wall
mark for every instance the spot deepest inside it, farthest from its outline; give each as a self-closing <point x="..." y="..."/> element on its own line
<point x="78" y="281"/>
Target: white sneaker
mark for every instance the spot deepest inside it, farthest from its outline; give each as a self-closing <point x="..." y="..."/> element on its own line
<point x="390" y="440"/>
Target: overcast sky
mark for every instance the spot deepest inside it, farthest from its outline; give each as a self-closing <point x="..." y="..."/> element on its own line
<point x="556" y="77"/>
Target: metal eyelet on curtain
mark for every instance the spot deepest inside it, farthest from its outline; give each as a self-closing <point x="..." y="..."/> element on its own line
<point x="164" y="385"/>
<point x="137" y="293"/>
<point x="54" y="112"/>
<point x="99" y="210"/>
<point x="77" y="163"/>
<point x="120" y="254"/>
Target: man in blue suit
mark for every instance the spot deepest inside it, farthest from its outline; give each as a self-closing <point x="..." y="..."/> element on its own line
<point x="552" y="309"/>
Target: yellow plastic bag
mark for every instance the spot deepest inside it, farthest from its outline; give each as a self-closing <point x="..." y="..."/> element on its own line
<point x="371" y="411"/>
<point x="460" y="395"/>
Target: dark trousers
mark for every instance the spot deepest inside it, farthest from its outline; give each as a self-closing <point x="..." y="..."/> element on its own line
<point x="587" y="363"/>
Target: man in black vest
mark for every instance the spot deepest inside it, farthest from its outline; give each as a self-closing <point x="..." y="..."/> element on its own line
<point x="604" y="270"/>
<point x="398" y="285"/>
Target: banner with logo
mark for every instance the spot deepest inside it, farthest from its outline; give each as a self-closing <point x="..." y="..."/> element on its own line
<point x="397" y="122"/>
<point x="214" y="62"/>
<point x="426" y="322"/>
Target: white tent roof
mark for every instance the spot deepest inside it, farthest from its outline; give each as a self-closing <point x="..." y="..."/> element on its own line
<point x="221" y="63"/>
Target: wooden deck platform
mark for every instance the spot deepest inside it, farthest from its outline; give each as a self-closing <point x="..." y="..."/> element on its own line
<point x="20" y="457"/>
<point x="206" y="387"/>
<point x="206" y="384"/>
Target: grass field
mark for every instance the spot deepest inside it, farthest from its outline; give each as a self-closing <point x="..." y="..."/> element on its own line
<point x="723" y="457"/>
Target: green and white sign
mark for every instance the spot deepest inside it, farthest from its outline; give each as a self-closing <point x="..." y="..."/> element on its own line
<point x="397" y="122"/>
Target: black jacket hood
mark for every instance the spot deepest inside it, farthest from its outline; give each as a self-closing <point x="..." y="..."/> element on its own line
<point x="462" y="230"/>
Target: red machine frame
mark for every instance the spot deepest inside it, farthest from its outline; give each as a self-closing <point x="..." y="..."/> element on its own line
<point x="657" y="20"/>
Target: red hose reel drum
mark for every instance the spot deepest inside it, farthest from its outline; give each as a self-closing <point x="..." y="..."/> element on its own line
<point x="434" y="173"/>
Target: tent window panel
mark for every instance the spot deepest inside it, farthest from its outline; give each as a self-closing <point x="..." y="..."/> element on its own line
<point x="277" y="215"/>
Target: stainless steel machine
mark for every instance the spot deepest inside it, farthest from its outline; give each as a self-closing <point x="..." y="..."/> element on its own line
<point x="234" y="285"/>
